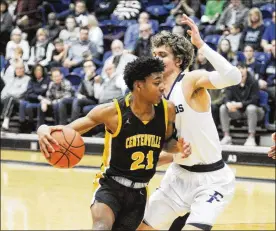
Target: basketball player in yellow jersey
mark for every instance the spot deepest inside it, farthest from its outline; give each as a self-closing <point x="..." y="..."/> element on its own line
<point x="201" y="184"/>
<point x="137" y="128"/>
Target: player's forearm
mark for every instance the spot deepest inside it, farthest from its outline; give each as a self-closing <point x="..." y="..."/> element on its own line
<point x="165" y="158"/>
<point x="82" y="125"/>
<point x="227" y="74"/>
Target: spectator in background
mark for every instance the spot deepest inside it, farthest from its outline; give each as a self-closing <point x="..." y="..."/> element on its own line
<point x="71" y="32"/>
<point x="78" y="48"/>
<point x="126" y="10"/>
<point x="14" y="89"/>
<point x="81" y="13"/>
<point x="111" y="87"/>
<point x="225" y="49"/>
<point x="119" y="58"/>
<point x="17" y="58"/>
<point x="234" y="37"/>
<point x="252" y="34"/>
<point x="42" y="51"/>
<point x="59" y="53"/>
<point x="253" y="65"/>
<point x="95" y="33"/>
<point x="17" y="41"/>
<point x="58" y="92"/>
<point x="132" y="32"/>
<point x="241" y="101"/>
<point x="234" y="13"/>
<point x="189" y="7"/>
<point x="269" y="34"/>
<point x="52" y="27"/>
<point x="269" y="76"/>
<point x="201" y="62"/>
<point x="143" y="45"/>
<point x="6" y="25"/>
<point x="104" y="8"/>
<point x="36" y="91"/>
<point x="212" y="11"/>
<point x="179" y="30"/>
<point x="85" y="94"/>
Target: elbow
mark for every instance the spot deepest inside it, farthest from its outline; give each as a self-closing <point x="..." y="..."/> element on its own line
<point x="235" y="76"/>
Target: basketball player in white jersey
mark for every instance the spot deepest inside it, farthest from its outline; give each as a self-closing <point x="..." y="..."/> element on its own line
<point x="201" y="184"/>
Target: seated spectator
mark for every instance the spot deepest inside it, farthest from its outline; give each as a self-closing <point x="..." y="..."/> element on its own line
<point x="269" y="77"/>
<point x="85" y="94"/>
<point x="36" y="91"/>
<point x="95" y="33"/>
<point x="120" y="57"/>
<point x="132" y="32"/>
<point x="201" y="62"/>
<point x="253" y="65"/>
<point x="28" y="17"/>
<point x="104" y="8"/>
<point x="81" y="13"/>
<point x="234" y="13"/>
<point x="126" y="10"/>
<point x="252" y="34"/>
<point x="42" y="51"/>
<point x="112" y="87"/>
<point x="212" y="11"/>
<point x="17" y="57"/>
<point x="60" y="92"/>
<point x="14" y="89"/>
<point x="189" y="7"/>
<point x="241" y="102"/>
<point x="70" y="33"/>
<point x="143" y="44"/>
<point x="269" y="34"/>
<point x="59" y="53"/>
<point x="78" y="48"/>
<point x="234" y="36"/>
<point x="224" y="48"/>
<point x="6" y="25"/>
<point x="17" y="41"/>
<point x="52" y="27"/>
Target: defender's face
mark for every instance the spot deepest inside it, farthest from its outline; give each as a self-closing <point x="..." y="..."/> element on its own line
<point x="167" y="56"/>
<point x="153" y="88"/>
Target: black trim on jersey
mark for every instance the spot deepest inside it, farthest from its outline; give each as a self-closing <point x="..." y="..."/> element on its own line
<point x="178" y="78"/>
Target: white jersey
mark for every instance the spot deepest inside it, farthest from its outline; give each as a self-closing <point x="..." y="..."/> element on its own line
<point x="198" y="128"/>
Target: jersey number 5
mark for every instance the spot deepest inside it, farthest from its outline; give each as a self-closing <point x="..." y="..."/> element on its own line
<point x="138" y="158"/>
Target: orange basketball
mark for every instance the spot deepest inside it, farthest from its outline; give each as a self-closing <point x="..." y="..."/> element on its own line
<point x="70" y="150"/>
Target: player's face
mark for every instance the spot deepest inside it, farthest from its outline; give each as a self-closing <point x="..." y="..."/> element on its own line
<point x="166" y="55"/>
<point x="153" y="88"/>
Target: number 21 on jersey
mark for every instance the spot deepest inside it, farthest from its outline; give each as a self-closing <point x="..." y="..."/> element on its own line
<point x="138" y="158"/>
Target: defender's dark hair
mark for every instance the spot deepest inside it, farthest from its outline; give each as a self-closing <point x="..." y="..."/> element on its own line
<point x="181" y="47"/>
<point x="140" y="69"/>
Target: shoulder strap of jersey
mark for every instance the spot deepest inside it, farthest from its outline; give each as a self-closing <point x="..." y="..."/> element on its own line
<point x="117" y="105"/>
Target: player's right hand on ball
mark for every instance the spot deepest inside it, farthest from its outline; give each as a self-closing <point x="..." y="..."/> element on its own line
<point x="46" y="140"/>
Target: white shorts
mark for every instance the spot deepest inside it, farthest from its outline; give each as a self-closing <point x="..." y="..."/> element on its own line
<point x="204" y="195"/>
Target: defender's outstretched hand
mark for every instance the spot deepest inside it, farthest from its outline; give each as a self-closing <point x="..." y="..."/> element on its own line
<point x="184" y="147"/>
<point x="193" y="32"/>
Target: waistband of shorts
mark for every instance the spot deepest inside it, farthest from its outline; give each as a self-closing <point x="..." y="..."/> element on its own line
<point x="204" y="167"/>
<point x="128" y="183"/>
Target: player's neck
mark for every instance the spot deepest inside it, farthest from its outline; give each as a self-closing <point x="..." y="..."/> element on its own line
<point x="140" y="108"/>
<point x="170" y="79"/>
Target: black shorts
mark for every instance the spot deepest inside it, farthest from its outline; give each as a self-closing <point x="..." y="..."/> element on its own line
<point x="127" y="204"/>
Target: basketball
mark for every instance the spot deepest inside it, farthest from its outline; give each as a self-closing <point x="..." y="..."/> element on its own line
<point x="70" y="150"/>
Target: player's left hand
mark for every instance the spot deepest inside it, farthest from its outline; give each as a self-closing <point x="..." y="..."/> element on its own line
<point x="193" y="32"/>
<point x="184" y="147"/>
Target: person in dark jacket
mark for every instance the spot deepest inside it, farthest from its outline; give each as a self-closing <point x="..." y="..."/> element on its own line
<point x="241" y="101"/>
<point x="104" y="8"/>
<point x="52" y="27"/>
<point x="143" y="46"/>
<point x="85" y="94"/>
<point x="36" y="91"/>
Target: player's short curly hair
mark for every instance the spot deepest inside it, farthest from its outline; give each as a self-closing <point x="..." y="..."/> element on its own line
<point x="181" y="47"/>
<point x="140" y="69"/>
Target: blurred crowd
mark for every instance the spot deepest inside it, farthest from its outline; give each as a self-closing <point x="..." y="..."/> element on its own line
<point x="60" y="58"/>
